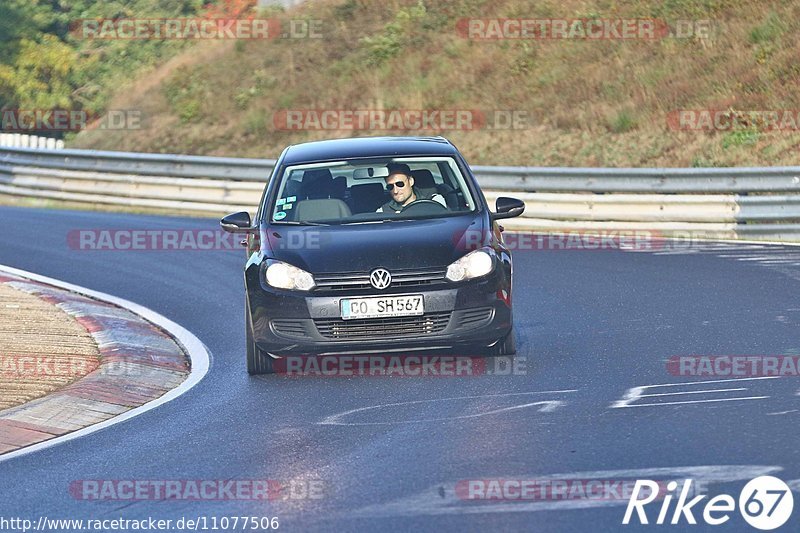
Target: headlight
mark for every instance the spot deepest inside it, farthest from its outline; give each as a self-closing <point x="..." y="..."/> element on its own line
<point x="473" y="265"/>
<point x="285" y="276"/>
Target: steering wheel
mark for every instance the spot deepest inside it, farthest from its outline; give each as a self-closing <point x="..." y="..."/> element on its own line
<point x="422" y="203"/>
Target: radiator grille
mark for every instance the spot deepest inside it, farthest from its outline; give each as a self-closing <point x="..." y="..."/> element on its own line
<point x="375" y="328"/>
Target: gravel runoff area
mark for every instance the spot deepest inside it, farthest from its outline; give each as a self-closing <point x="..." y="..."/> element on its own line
<point x="42" y="348"/>
<point x="68" y="361"/>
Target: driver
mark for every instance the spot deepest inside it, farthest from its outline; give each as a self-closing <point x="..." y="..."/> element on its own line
<point x="400" y="185"/>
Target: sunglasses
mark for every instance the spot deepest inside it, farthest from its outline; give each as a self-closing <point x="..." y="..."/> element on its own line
<point x="398" y="184"/>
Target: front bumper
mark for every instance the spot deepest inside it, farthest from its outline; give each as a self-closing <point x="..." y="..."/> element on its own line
<point x="462" y="317"/>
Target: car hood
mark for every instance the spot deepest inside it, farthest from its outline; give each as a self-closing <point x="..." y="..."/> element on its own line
<point x="362" y="247"/>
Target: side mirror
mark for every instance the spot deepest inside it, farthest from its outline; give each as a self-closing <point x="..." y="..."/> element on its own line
<point x="508" y="208"/>
<point x="236" y="222"/>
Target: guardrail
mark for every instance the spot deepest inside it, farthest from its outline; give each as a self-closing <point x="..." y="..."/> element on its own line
<point x="761" y="203"/>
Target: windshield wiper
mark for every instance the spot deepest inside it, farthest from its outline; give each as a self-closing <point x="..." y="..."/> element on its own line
<point x="301" y="223"/>
<point x="378" y="221"/>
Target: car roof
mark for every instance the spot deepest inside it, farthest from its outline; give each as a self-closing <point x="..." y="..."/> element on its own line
<point x="365" y="147"/>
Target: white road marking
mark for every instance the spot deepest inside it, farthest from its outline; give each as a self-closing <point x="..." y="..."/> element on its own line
<point x="688" y="392"/>
<point x="200" y="359"/>
<point x="547" y="407"/>
<point x="698" y="401"/>
<point x="755" y="258"/>
<point x="634" y="393"/>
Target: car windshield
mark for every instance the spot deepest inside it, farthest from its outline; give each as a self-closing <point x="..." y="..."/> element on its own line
<point x="361" y="191"/>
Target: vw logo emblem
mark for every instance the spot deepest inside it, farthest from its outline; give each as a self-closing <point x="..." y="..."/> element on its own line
<point x="380" y="278"/>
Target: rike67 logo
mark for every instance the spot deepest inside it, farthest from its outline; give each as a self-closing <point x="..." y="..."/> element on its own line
<point x="766" y="503"/>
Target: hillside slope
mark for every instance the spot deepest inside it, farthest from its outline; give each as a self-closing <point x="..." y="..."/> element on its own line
<point x="605" y="102"/>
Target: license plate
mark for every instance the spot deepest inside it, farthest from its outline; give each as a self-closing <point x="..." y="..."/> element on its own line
<point x="382" y="306"/>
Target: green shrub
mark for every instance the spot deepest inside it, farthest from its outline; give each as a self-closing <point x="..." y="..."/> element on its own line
<point x="185" y="92"/>
<point x="746" y="137"/>
<point x="255" y="123"/>
<point x="622" y="122"/>
<point x="769" y="30"/>
<point x="388" y="43"/>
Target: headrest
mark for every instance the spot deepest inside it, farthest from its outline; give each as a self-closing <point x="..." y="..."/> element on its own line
<point x="317" y="183"/>
<point x="423" y="179"/>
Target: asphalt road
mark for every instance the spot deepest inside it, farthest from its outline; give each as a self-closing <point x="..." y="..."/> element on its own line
<point x="591" y="325"/>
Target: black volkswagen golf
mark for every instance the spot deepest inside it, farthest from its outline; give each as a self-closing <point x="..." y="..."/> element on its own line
<point x="375" y="245"/>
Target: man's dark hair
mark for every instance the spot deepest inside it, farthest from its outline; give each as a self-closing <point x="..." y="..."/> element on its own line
<point x="401" y="168"/>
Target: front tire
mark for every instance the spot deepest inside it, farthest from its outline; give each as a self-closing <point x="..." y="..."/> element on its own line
<point x="258" y="362"/>
<point x="507" y="345"/>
